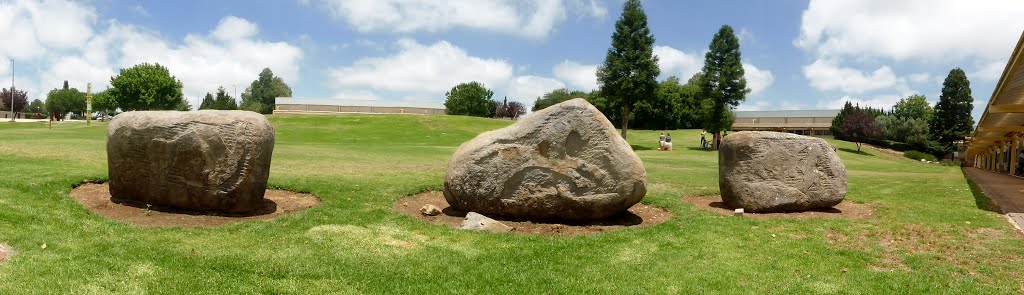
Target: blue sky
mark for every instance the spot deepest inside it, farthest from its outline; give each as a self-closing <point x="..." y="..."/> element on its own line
<point x="798" y="54"/>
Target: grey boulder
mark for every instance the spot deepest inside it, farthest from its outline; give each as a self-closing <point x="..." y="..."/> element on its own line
<point x="564" y="162"/>
<point x="763" y="171"/>
<point x="201" y="160"/>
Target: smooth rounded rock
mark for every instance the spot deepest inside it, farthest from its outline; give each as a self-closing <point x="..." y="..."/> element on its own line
<point x="762" y="171"/>
<point x="202" y="160"/>
<point x="564" y="162"/>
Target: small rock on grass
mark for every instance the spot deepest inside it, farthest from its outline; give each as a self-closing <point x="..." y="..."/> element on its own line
<point x="430" y="210"/>
<point x="737" y="212"/>
<point x="5" y="252"/>
<point x="475" y="221"/>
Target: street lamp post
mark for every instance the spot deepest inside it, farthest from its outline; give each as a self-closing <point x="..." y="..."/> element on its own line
<point x="12" y="90"/>
<point x="235" y="92"/>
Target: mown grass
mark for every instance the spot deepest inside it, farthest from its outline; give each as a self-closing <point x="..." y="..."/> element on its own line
<point x="928" y="234"/>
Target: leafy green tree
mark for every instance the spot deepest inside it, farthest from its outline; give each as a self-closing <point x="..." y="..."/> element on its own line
<point x="724" y="84"/>
<point x="37" y="106"/>
<point x="913" y="131"/>
<point x="184" y="106"/>
<point x="224" y="101"/>
<point x="675" y="106"/>
<point x="556" y="96"/>
<point x="62" y="101"/>
<point x="915" y="106"/>
<point x="470" y="99"/>
<point x="207" y="103"/>
<point x="952" y="120"/>
<point x="860" y="127"/>
<point x="261" y="95"/>
<point x="145" y="87"/>
<point x="102" y="102"/>
<point x="630" y="67"/>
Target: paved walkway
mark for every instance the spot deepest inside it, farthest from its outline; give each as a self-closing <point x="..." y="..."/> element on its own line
<point x="1005" y="191"/>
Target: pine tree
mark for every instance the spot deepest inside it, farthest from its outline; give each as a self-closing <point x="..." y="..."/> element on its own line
<point x="952" y="119"/>
<point x="723" y="82"/>
<point x="837" y="122"/>
<point x="630" y="67"/>
<point x="224" y="101"/>
<point x="207" y="103"/>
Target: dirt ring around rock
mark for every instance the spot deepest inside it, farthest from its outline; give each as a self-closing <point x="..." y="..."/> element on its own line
<point x="640" y="215"/>
<point x="96" y="197"/>
<point x="845" y="210"/>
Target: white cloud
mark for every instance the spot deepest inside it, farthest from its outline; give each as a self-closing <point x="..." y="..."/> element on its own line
<point x="534" y="19"/>
<point x="228" y="54"/>
<point x="927" y="30"/>
<point x="579" y="76"/>
<point x="920" y="77"/>
<point x="420" y="68"/>
<point x="757" y="79"/>
<point x="674" y="62"/>
<point x="988" y="72"/>
<point x="828" y="75"/>
<point x="592" y="8"/>
<point x="233" y="28"/>
<point x="141" y="11"/>
<point x="526" y="89"/>
<point x="30" y="29"/>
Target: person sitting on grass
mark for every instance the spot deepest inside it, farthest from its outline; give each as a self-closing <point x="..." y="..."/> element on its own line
<point x="661" y="140"/>
<point x="667" y="144"/>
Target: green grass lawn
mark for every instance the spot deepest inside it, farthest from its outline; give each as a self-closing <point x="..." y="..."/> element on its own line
<point x="928" y="235"/>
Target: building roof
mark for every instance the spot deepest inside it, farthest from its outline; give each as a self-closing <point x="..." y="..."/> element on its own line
<point x="787" y="114"/>
<point x="1004" y="112"/>
<point x="359" y="103"/>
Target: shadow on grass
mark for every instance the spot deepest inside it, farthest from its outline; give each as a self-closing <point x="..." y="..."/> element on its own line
<point x="853" y="151"/>
<point x="640" y="147"/>
<point x="697" y="148"/>
<point x="980" y="199"/>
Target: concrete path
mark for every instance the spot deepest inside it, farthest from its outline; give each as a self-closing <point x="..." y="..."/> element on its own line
<point x="1006" y="192"/>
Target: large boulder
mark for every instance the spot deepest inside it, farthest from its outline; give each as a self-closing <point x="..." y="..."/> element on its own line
<point x="202" y="160"/>
<point x="762" y="171"/>
<point x="564" y="162"/>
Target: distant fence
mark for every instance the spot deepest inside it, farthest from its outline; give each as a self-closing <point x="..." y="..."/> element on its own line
<point x="288" y="105"/>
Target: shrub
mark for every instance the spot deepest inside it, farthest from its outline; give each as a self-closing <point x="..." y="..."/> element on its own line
<point x="950" y="163"/>
<point x="916" y="155"/>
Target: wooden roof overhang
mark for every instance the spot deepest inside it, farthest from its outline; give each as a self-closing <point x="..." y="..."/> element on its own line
<point x="1003" y="119"/>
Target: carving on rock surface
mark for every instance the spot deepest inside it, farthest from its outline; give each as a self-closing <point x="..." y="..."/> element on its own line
<point x="203" y="160"/>
<point x="763" y="171"/>
<point x="565" y="162"/>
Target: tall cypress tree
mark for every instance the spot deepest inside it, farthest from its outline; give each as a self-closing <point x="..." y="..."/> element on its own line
<point x="630" y="67"/>
<point x="952" y="118"/>
<point x="723" y="83"/>
<point x="207" y="102"/>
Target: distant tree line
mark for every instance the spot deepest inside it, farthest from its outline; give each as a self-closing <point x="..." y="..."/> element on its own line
<point x="152" y="87"/>
<point x="913" y="124"/>
<point x="630" y="95"/>
<point x="474" y="99"/>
